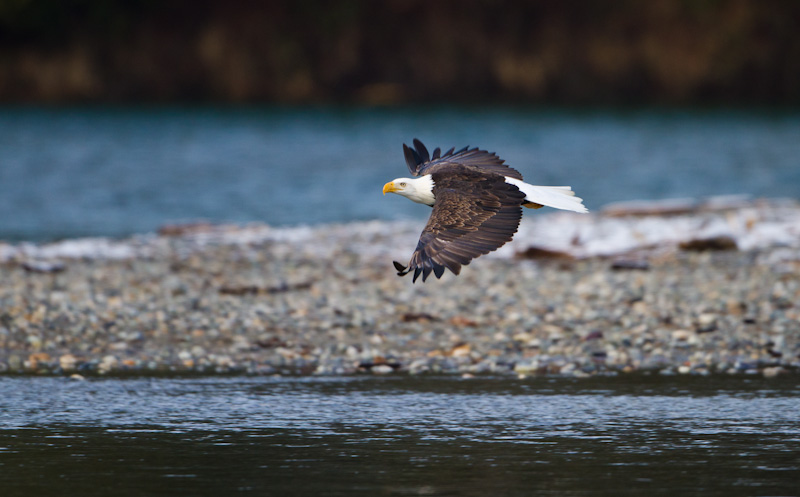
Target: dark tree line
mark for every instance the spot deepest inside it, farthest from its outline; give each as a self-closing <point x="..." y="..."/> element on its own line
<point x="565" y="52"/>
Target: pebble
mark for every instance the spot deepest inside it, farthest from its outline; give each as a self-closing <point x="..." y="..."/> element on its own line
<point x="67" y="362"/>
<point x="326" y="301"/>
<point x="381" y="369"/>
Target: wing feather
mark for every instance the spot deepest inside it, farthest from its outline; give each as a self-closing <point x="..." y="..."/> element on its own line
<point x="475" y="212"/>
<point x="421" y="150"/>
<point x="420" y="162"/>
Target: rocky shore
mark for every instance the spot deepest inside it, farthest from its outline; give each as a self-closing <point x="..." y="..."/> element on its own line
<point x="672" y="288"/>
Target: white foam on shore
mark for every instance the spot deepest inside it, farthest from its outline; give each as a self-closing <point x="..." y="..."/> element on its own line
<point x="752" y="224"/>
<point x="78" y="248"/>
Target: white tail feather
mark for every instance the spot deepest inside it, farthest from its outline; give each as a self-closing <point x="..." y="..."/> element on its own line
<point x="558" y="197"/>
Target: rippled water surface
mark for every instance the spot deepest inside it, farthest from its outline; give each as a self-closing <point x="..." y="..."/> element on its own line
<point x="400" y="436"/>
<point x="67" y="172"/>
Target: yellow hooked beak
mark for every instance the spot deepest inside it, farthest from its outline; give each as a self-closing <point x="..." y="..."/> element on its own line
<point x="389" y="188"/>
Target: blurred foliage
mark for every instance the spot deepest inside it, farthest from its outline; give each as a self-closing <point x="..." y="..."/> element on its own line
<point x="53" y="21"/>
<point x="571" y="51"/>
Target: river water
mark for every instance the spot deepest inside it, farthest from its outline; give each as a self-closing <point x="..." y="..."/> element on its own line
<point x="68" y="172"/>
<point x="640" y="435"/>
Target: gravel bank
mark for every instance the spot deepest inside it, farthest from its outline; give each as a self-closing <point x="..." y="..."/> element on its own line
<point x="707" y="289"/>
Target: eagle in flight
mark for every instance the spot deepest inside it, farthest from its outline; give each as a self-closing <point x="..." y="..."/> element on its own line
<point x="477" y="205"/>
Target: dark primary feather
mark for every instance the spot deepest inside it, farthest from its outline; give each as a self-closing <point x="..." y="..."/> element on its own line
<point x="420" y="162"/>
<point x="412" y="159"/>
<point x="475" y="212"/>
<point x="421" y="150"/>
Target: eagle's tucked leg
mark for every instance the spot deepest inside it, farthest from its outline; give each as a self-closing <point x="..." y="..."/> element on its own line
<point x="401" y="269"/>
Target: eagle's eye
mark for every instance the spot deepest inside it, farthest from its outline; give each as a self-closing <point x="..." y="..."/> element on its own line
<point x="403" y="184"/>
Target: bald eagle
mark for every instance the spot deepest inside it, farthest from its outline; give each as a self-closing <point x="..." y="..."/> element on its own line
<point x="477" y="205"/>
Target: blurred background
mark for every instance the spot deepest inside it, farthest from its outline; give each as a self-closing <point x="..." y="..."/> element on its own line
<point x="117" y="117"/>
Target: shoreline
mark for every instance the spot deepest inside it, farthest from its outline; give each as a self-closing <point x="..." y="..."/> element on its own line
<point x="679" y="287"/>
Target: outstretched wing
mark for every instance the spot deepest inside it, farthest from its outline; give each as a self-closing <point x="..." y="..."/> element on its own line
<point x="420" y="162"/>
<point x="474" y="214"/>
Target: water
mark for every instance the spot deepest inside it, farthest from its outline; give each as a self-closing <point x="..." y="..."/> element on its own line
<point x="400" y="436"/>
<point x="67" y="172"/>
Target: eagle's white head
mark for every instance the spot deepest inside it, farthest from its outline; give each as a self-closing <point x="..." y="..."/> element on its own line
<point x="417" y="189"/>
